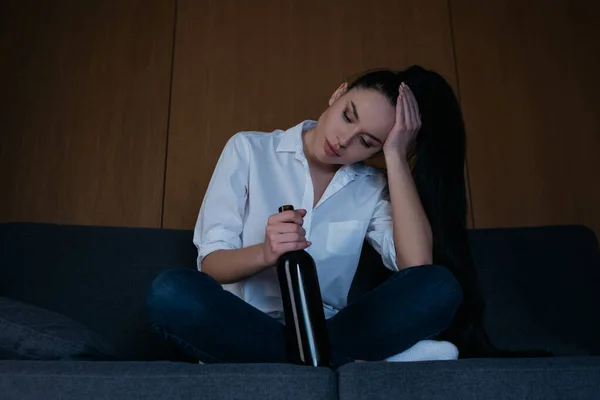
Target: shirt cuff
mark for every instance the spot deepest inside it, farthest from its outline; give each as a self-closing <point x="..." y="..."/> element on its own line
<point x="383" y="243"/>
<point x="217" y="239"/>
<point x="389" y="254"/>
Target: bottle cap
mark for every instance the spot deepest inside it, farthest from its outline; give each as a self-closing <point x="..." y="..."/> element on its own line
<point x="286" y="208"/>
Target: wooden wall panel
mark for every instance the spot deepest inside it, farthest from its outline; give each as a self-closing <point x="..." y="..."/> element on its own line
<point x="241" y="66"/>
<point x="529" y="84"/>
<point x="85" y="92"/>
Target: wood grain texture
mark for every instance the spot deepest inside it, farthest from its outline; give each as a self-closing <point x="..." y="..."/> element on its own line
<point x="85" y="93"/>
<point x="529" y="83"/>
<point x="240" y="66"/>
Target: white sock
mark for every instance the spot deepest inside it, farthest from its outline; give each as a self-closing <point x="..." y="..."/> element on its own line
<point x="427" y="350"/>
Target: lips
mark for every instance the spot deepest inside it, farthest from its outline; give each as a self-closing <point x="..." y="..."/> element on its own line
<point x="329" y="150"/>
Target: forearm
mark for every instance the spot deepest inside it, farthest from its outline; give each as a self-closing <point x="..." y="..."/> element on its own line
<point x="230" y="266"/>
<point x="412" y="231"/>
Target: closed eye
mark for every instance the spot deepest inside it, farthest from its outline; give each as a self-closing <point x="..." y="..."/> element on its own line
<point x="365" y="143"/>
<point x="362" y="138"/>
<point x="345" y="117"/>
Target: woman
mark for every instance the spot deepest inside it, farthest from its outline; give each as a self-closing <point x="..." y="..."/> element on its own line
<point x="231" y="311"/>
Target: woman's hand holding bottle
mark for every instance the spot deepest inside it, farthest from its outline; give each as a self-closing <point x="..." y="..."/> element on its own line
<point x="284" y="233"/>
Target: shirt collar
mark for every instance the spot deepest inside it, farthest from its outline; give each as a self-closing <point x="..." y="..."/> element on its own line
<point x="291" y="142"/>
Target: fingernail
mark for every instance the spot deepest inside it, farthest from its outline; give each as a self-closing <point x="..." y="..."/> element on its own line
<point x="309" y="243"/>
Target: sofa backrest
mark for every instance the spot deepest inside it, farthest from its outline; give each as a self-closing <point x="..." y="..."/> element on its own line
<point x="541" y="285"/>
<point x="98" y="276"/>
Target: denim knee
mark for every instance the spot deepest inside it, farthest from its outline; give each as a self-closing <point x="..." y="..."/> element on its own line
<point x="176" y="290"/>
<point x="445" y="292"/>
<point x="441" y="293"/>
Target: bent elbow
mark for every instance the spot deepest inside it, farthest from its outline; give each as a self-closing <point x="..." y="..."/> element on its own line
<point x="208" y="267"/>
<point x="413" y="261"/>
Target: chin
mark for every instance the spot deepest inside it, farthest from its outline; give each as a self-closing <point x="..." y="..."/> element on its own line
<point x="324" y="159"/>
<point x="337" y="162"/>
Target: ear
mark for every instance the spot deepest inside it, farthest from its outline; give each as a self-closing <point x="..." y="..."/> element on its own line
<point x="338" y="93"/>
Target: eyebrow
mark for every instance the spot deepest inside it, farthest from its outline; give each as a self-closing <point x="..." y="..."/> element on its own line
<point x="375" y="138"/>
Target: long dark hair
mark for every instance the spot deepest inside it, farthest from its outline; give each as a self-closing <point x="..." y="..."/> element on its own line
<point x="438" y="159"/>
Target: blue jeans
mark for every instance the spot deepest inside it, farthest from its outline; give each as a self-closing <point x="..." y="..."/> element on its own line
<point x="212" y="325"/>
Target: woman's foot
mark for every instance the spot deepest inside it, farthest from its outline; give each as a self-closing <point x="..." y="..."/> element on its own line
<point x="427" y="350"/>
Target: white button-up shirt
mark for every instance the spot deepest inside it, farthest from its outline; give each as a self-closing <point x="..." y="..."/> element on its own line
<point x="257" y="173"/>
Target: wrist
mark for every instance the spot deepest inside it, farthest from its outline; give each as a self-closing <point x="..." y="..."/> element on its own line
<point x="395" y="158"/>
<point x="259" y="256"/>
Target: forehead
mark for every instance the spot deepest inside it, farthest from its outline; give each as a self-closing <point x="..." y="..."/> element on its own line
<point x="376" y="114"/>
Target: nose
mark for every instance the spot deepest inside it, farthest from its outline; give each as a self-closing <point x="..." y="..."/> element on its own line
<point x="344" y="139"/>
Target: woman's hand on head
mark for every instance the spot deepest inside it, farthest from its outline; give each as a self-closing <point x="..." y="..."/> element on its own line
<point x="407" y="126"/>
<point x="284" y="233"/>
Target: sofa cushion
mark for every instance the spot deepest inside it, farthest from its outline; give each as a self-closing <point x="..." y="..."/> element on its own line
<point x="28" y="332"/>
<point x="498" y="379"/>
<point x="24" y="380"/>
<point x="540" y="286"/>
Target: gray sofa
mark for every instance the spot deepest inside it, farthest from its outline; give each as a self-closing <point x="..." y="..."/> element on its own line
<point x="541" y="286"/>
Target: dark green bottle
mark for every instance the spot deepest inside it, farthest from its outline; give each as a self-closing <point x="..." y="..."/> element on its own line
<point x="305" y="326"/>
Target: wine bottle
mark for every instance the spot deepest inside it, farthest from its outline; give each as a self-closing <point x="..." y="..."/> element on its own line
<point x="305" y="326"/>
